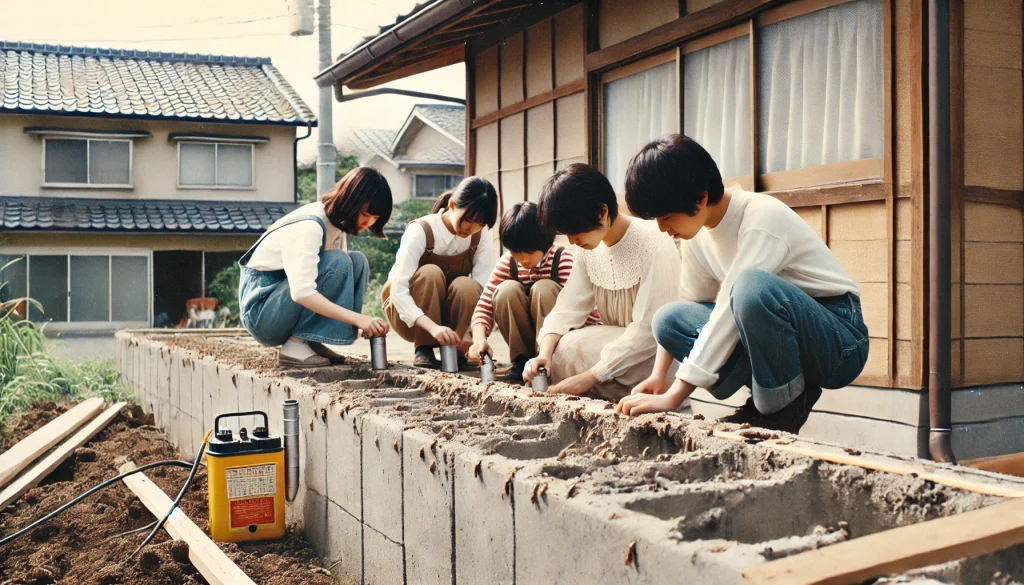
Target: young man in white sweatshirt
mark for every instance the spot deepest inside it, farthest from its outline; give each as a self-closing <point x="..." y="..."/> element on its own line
<point x="767" y="305"/>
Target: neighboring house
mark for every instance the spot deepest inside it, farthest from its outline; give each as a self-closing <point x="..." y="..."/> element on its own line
<point x="422" y="159"/>
<point x="129" y="178"/>
<point x="823" y="104"/>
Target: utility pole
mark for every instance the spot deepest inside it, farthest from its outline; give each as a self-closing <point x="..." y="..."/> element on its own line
<point x="327" y="154"/>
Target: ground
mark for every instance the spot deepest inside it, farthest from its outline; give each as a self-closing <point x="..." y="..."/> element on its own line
<point x="81" y="546"/>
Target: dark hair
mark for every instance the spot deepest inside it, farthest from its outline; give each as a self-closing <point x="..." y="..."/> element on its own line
<point x="521" y="230"/>
<point x="670" y="175"/>
<point x="360" y="186"/>
<point x="571" y="200"/>
<point x="477" y="196"/>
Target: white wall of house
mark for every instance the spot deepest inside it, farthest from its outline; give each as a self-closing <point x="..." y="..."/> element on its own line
<point x="154" y="160"/>
<point x="400" y="183"/>
<point x="426" y="140"/>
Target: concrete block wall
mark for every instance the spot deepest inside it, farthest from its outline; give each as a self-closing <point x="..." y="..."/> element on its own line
<point x="413" y="478"/>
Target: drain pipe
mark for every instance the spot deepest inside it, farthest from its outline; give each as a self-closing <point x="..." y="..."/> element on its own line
<point x="295" y="160"/>
<point x="939" y="253"/>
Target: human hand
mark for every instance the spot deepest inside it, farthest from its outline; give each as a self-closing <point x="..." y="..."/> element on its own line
<point x="635" y="404"/>
<point x="533" y="366"/>
<point x="652" y="385"/>
<point x="478" y="349"/>
<point x="577" y="385"/>
<point x="373" y="327"/>
<point x="444" y="335"/>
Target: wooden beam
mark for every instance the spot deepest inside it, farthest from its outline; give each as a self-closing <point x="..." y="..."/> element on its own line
<point x="1008" y="197"/>
<point x="681" y="29"/>
<point x="919" y="190"/>
<point x="537" y="100"/>
<point x="889" y="101"/>
<point x="46" y="465"/>
<point x="967" y="535"/>
<point x="442" y="59"/>
<point x="207" y="557"/>
<point x="832" y="194"/>
<point x="849" y="171"/>
<point x="966" y="480"/>
<point x="1012" y="464"/>
<point x="42" y="440"/>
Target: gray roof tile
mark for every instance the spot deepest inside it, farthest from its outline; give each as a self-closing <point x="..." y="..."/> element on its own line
<point x="78" y="80"/>
<point x="450" y="118"/>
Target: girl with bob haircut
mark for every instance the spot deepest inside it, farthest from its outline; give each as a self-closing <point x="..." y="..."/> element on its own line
<point x="298" y="291"/>
<point x="443" y="263"/>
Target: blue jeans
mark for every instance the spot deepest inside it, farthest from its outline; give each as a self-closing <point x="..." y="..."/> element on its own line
<point x="271" y="316"/>
<point x="788" y="340"/>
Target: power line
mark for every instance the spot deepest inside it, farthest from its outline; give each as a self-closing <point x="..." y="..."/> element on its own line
<point x="171" y="40"/>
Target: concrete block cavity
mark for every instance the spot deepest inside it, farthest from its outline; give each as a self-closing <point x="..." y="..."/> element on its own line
<point x="484" y="533"/>
<point x="344" y="459"/>
<point x="537" y="441"/>
<point x="428" y="492"/>
<point x="383" y="562"/>
<point x="344" y="542"/>
<point x="382" y="475"/>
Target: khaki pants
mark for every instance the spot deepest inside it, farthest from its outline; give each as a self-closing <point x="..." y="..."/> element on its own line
<point x="519" y="315"/>
<point x="450" y="305"/>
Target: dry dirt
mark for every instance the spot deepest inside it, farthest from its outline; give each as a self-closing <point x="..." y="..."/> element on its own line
<point x="81" y="546"/>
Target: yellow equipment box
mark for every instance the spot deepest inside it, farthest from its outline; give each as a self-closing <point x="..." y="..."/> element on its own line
<point x="245" y="482"/>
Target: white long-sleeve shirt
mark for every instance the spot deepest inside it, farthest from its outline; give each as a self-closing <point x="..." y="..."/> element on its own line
<point x="757" y="231"/>
<point x="627" y="283"/>
<point x="411" y="249"/>
<point x="295" y="249"/>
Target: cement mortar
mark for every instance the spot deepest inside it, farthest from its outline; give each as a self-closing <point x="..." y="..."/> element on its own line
<point x="704" y="506"/>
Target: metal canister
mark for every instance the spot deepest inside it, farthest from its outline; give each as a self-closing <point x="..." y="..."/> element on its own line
<point x="291" y="448"/>
<point x="540" y="381"/>
<point x="486" y="369"/>
<point x="449" y="359"/>
<point x="378" y="354"/>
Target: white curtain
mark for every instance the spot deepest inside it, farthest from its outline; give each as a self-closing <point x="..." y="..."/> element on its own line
<point x="637" y="109"/>
<point x="821" y="87"/>
<point x="716" y="104"/>
<point x="196" y="164"/>
<point x="234" y="165"/>
<point x="109" y="162"/>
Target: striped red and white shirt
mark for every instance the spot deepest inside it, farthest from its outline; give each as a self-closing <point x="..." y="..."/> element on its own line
<point x="484" y="313"/>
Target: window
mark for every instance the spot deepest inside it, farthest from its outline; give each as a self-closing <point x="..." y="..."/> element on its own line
<point x="79" y="288"/>
<point x="81" y="161"/>
<point x="637" y="108"/>
<point x="227" y="166"/>
<point x="433" y="185"/>
<point x="821" y="85"/>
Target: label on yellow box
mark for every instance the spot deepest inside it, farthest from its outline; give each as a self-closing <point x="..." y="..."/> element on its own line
<point x="254" y="480"/>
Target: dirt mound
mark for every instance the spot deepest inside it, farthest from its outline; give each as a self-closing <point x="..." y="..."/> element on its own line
<point x="83" y="546"/>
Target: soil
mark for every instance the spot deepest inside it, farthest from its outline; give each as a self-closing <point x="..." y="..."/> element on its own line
<point x="82" y="547"/>
<point x="241" y="351"/>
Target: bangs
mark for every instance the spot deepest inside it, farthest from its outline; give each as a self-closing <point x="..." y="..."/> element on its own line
<point x="482" y="210"/>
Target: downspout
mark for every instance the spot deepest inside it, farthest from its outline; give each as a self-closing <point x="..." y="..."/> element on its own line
<point x="939" y="256"/>
<point x="295" y="161"/>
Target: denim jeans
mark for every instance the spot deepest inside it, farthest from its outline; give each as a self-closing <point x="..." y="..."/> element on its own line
<point x="271" y="316"/>
<point x="788" y="340"/>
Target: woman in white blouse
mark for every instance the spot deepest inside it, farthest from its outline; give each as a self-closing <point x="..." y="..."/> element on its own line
<point x="442" y="265"/>
<point x="625" y="267"/>
<point x="298" y="291"/>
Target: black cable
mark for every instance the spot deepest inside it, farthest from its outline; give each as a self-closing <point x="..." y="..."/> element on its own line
<point x="98" y="487"/>
<point x="177" y="500"/>
<point x="132" y="531"/>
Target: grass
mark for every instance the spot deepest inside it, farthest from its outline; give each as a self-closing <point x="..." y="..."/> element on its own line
<point x="29" y="375"/>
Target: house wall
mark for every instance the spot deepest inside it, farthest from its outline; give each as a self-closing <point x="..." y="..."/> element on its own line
<point x="425" y="140"/>
<point x="400" y="183"/>
<point x="155" y="166"/>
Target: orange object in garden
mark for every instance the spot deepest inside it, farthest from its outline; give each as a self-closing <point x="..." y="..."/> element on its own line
<point x="245" y="482"/>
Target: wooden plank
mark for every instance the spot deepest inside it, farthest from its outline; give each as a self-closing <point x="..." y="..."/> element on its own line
<point x="511" y="86"/>
<point x="207" y="557"/>
<point x="513" y="109"/>
<point x="918" y="178"/>
<point x="755" y="149"/>
<point x="795" y="9"/>
<point x="1008" y="197"/>
<point x="956" y="176"/>
<point x="831" y="194"/>
<point x="1012" y="464"/>
<point x="42" y="440"/>
<point x="887" y="176"/>
<point x="638" y="66"/>
<point x="993" y="263"/>
<point x="986" y="222"/>
<point x="967" y="535"/>
<point x="568" y="45"/>
<point x="625" y="19"/>
<point x="470" y="114"/>
<point x="485" y="83"/>
<point x="858" y="221"/>
<point x="680" y="30"/>
<point x="442" y="59"/>
<point x="716" y="38"/>
<point x="844" y="172"/>
<point x="538" y="59"/>
<point x="46" y="465"/>
<point x="993" y="361"/>
<point x="951" y="476"/>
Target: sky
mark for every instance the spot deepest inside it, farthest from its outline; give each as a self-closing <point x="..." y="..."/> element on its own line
<point x="249" y="28"/>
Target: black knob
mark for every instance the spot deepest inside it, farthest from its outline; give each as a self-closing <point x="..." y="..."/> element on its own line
<point x="224" y="435"/>
<point x="243" y="435"/>
<point x="260" y="432"/>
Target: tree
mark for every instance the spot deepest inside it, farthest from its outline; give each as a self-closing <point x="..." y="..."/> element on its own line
<point x="307" y="176"/>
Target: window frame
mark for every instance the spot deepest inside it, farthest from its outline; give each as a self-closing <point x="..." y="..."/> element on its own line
<point x="88" y="164"/>
<point x="216" y="155"/>
<point x="447" y="180"/>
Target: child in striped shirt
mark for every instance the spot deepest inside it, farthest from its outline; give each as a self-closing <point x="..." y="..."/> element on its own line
<point x="522" y="288"/>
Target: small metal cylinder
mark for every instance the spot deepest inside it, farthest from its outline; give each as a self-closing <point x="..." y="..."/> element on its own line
<point x="291" y="448"/>
<point x="378" y="354"/>
<point x="486" y="369"/>
<point x="449" y="359"/>
<point x="540" y="381"/>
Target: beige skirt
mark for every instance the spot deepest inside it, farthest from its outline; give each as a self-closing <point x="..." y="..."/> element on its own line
<point x="580" y="350"/>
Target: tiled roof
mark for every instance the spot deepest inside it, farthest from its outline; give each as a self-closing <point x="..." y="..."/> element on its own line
<point x="450" y="118"/>
<point x="66" y="214"/>
<point x="442" y="155"/>
<point x="386" y="27"/>
<point x="370" y="141"/>
<point x="58" y="79"/>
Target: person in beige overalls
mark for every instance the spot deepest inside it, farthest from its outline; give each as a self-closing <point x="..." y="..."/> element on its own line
<point x="442" y="264"/>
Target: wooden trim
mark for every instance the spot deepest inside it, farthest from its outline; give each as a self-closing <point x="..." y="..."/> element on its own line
<point x="755" y="148"/>
<point x="537" y="100"/>
<point x="957" y="163"/>
<point x="855" y="170"/>
<point x="440" y="59"/>
<point x="680" y="30"/>
<point x="919" y="182"/>
<point x="795" y="9"/>
<point x="1008" y="197"/>
<point x="471" y="113"/>
<point x="205" y="555"/>
<point x="592" y="86"/>
<point x="832" y="194"/>
<point x="27" y="450"/>
<point x="716" y="38"/>
<point x="824" y="224"/>
<point x="526" y="117"/>
<point x="638" y="66"/>
<point x="967" y="535"/>
<point x="888" y="46"/>
<point x="680" y="91"/>
<point x="1012" y="464"/>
